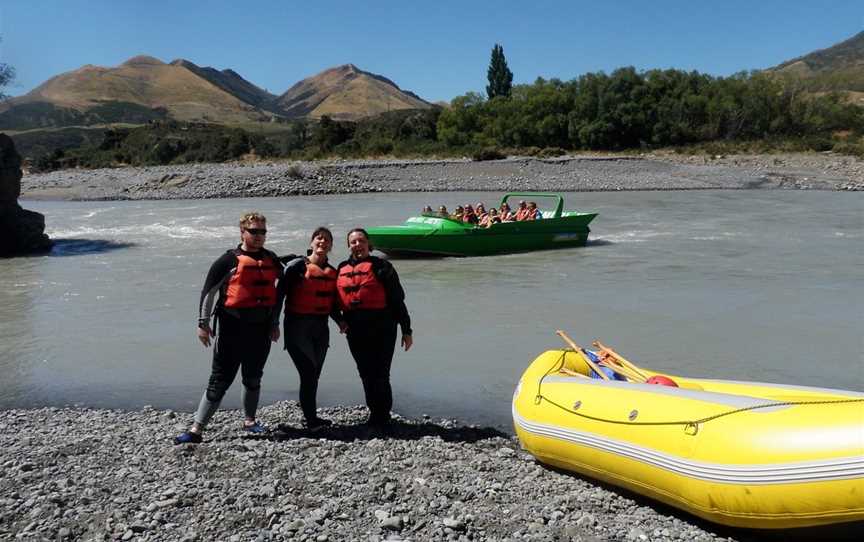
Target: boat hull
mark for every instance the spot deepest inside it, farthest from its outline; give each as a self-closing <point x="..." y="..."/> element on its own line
<point x="711" y="448"/>
<point x="440" y="237"/>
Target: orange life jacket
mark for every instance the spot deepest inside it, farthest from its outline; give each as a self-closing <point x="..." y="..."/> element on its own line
<point x="522" y="214"/>
<point x="359" y="288"/>
<point x="315" y="293"/>
<point x="253" y="284"/>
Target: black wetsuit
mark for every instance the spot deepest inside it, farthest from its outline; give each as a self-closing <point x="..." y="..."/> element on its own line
<point x="242" y="338"/>
<point x="372" y="339"/>
<point x="307" y="337"/>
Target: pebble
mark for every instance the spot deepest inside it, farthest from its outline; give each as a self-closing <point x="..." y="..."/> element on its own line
<point x="420" y="483"/>
<point x="588" y="172"/>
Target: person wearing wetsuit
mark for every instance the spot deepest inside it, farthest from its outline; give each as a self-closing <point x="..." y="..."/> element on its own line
<point x="373" y="303"/>
<point x="308" y="287"/>
<point x="240" y="294"/>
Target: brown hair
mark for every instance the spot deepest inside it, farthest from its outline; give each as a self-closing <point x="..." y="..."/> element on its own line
<point x="250" y="217"/>
<point x="365" y="234"/>
<point x="322" y="230"/>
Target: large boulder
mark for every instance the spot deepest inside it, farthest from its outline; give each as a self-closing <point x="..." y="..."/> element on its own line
<point x="21" y="231"/>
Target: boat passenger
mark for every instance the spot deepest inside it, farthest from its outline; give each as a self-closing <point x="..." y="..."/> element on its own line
<point x="442" y="212"/>
<point x="480" y="209"/>
<point x="427" y="211"/>
<point x="533" y="212"/>
<point x="505" y="213"/>
<point x="490" y="218"/>
<point x="373" y="303"/>
<point x="308" y="286"/>
<point x="469" y="216"/>
<point x="522" y="213"/>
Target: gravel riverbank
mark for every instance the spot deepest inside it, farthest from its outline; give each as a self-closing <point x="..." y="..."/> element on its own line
<point x="668" y="171"/>
<point x="81" y="474"/>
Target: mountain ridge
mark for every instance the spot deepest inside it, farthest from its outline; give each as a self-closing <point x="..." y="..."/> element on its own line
<point x="838" y="69"/>
<point x="182" y="90"/>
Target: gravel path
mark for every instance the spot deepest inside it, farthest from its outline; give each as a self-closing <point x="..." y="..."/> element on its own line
<point x="81" y="474"/>
<point x="823" y="171"/>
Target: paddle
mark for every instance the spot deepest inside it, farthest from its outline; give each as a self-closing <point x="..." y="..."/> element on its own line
<point x="606" y="360"/>
<point x="621" y="359"/>
<point x="571" y="372"/>
<point x="586" y="357"/>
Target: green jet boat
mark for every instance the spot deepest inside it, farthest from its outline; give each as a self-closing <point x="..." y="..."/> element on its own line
<point x="437" y="236"/>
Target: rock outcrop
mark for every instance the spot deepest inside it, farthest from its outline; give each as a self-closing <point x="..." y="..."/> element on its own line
<point x="21" y="231"/>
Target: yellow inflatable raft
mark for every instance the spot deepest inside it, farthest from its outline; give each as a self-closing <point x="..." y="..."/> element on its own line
<point x="743" y="454"/>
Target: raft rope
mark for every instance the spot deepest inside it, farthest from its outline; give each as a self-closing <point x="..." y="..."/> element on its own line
<point x="691" y="424"/>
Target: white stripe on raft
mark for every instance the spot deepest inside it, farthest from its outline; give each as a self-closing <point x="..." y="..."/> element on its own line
<point x="813" y="471"/>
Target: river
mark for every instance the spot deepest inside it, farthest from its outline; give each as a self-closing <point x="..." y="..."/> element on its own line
<point x="745" y="285"/>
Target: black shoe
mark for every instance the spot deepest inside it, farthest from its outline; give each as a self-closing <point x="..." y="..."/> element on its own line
<point x="317" y="423"/>
<point x="188" y="437"/>
<point x="376" y="429"/>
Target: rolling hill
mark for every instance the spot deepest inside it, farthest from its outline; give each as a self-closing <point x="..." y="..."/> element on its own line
<point x="144" y="88"/>
<point x="839" y="68"/>
<point x="347" y="93"/>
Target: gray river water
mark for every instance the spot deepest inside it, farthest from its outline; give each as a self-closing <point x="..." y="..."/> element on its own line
<point x="746" y="285"/>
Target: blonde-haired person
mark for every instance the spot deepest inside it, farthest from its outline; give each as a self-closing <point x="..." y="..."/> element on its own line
<point x="239" y="295"/>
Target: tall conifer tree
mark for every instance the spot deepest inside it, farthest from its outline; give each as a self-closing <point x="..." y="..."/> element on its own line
<point x="499" y="75"/>
<point x="7" y="75"/>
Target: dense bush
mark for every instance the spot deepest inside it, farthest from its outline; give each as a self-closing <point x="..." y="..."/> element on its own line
<point x="37" y="115"/>
<point x="488" y="154"/>
<point x="628" y="109"/>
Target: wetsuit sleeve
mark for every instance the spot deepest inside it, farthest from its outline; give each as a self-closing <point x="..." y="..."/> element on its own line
<point x="336" y="313"/>
<point x="386" y="273"/>
<point x="219" y="273"/>
<point x="291" y="274"/>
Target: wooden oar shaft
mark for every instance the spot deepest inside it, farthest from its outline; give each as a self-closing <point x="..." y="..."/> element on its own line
<point x="621" y="359"/>
<point x="622" y="370"/>
<point x="588" y="360"/>
<point x="608" y="360"/>
<point x="571" y="372"/>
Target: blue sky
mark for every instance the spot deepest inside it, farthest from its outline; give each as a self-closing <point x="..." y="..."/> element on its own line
<point x="438" y="49"/>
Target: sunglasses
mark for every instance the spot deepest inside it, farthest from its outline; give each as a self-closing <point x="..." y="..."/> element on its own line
<point x="256" y="231"/>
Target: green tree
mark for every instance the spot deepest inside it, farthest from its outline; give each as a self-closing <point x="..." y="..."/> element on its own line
<point x="7" y="75"/>
<point x="499" y="75"/>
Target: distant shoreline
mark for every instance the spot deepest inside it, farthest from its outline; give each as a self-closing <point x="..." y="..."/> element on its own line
<point x="595" y="172"/>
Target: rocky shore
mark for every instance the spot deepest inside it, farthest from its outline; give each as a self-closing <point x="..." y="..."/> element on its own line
<point x="658" y="171"/>
<point x="81" y="474"/>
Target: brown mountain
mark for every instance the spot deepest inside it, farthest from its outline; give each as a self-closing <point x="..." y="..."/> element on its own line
<point x="231" y="82"/>
<point x="845" y="55"/>
<point x="140" y="89"/>
<point x="346" y="92"/>
<point x="839" y="68"/>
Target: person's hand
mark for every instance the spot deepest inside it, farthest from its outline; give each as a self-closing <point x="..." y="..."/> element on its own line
<point x="204" y="334"/>
<point x="343" y="327"/>
<point x="274" y="334"/>
<point x="407" y="341"/>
